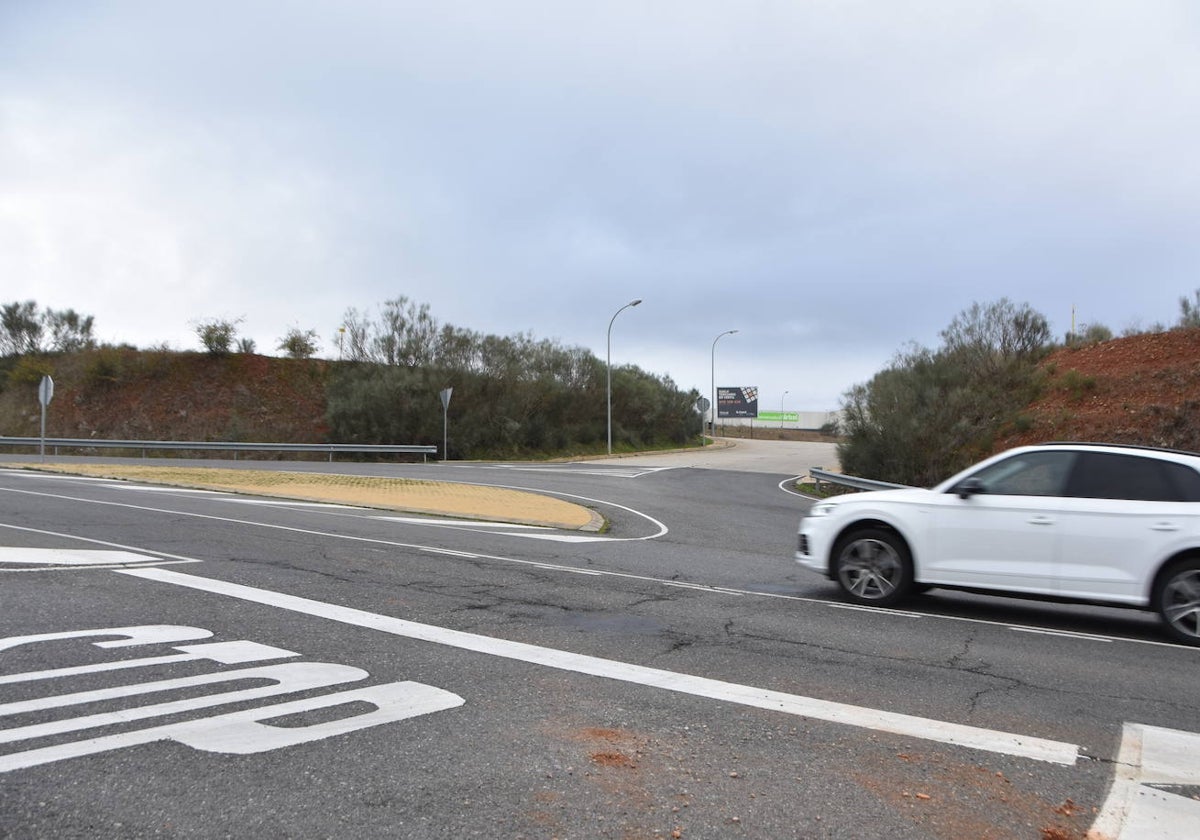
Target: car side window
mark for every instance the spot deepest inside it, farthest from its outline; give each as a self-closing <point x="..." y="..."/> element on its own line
<point x="1186" y="481"/>
<point x="1103" y="475"/>
<point x="1027" y="474"/>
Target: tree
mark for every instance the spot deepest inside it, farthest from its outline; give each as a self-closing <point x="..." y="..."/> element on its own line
<point x="355" y="337"/>
<point x="993" y="336"/>
<point x="69" y="331"/>
<point x="1189" y="311"/>
<point x="217" y="335"/>
<point x="407" y="334"/>
<point x="299" y="344"/>
<point x="21" y="328"/>
<point x="932" y="412"/>
<point x="513" y="395"/>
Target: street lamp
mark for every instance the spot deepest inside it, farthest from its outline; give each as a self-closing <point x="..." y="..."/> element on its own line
<point x="781" y="399"/>
<point x="608" y="388"/>
<point x="713" y="418"/>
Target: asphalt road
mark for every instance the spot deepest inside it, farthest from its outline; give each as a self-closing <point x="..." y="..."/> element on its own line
<point x="296" y="670"/>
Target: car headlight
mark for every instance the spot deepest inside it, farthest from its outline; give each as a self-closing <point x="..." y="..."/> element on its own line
<point x="821" y="509"/>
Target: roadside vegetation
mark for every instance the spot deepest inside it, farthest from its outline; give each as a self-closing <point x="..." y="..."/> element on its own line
<point x="929" y="413"/>
<point x="512" y="396"/>
<point x="933" y="412"/>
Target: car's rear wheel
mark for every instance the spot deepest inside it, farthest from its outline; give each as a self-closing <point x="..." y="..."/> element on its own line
<point x="874" y="567"/>
<point x="1178" y="600"/>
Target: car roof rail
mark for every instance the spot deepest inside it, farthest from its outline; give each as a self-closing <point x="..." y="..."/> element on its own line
<point x="1119" y="446"/>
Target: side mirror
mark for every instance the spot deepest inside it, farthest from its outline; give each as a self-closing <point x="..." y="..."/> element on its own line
<point x="970" y="487"/>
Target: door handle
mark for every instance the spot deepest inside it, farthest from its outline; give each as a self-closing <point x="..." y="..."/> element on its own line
<point x="1164" y="526"/>
<point x="1042" y="520"/>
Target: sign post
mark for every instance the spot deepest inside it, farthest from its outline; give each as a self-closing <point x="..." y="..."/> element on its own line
<point x="702" y="405"/>
<point x="45" y="394"/>
<point x="445" y="395"/>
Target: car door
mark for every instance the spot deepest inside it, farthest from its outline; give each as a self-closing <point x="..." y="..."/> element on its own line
<point x="1002" y="530"/>
<point x="1123" y="515"/>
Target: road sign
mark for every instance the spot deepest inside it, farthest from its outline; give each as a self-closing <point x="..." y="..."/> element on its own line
<point x="45" y="394"/>
<point x="445" y="394"/>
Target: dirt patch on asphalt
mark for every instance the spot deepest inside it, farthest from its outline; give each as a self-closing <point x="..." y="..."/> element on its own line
<point x="469" y="501"/>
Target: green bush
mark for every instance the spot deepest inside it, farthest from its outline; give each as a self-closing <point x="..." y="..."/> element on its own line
<point x="29" y="370"/>
<point x="933" y="412"/>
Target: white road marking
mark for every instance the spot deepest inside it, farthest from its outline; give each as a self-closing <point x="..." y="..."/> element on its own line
<point x="906" y="725"/>
<point x="567" y="538"/>
<point x="1137" y="808"/>
<point x="1066" y="634"/>
<point x="157" y="488"/>
<point x="864" y="608"/>
<point x="662" y="528"/>
<point x="70" y="557"/>
<point x="52" y="475"/>
<point x="883" y="613"/>
<point x="572" y="469"/>
<point x="145" y="634"/>
<point x="532" y="532"/>
<point x="458" y="523"/>
<point x="171" y="558"/>
<point x="244" y="733"/>
<point x="286" y="679"/>
<point x="226" y="653"/>
<point x="242" y="500"/>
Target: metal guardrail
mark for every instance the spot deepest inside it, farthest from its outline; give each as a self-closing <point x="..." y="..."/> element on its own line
<point x="224" y="446"/>
<point x="819" y="475"/>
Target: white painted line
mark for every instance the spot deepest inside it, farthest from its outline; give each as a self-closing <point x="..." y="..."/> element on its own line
<point x="242" y="500"/>
<point x="588" y="572"/>
<point x="70" y="557"/>
<point x="142" y="634"/>
<point x="152" y="488"/>
<point x="570" y="469"/>
<point x="286" y="679"/>
<point x="173" y="558"/>
<point x="249" y="731"/>
<point x="883" y="610"/>
<point x="910" y="726"/>
<point x="458" y="523"/>
<point x="566" y="538"/>
<point x="53" y="475"/>
<point x="226" y="653"/>
<point x="449" y="552"/>
<point x="1066" y="634"/>
<point x="1138" y="810"/>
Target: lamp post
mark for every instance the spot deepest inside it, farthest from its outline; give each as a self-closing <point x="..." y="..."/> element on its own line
<point x="714" y="379"/>
<point x="781" y="399"/>
<point x="608" y="388"/>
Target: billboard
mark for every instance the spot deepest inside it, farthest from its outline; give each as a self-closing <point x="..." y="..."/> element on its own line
<point x="737" y="402"/>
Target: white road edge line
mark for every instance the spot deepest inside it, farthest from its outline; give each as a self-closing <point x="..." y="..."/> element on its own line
<point x="1039" y="749"/>
<point x="1064" y="634"/>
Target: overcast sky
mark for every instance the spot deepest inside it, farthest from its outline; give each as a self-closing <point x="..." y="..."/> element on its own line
<point x="831" y="178"/>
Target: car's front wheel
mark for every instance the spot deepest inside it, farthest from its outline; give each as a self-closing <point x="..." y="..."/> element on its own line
<point x="874" y="567"/>
<point x="1178" y="600"/>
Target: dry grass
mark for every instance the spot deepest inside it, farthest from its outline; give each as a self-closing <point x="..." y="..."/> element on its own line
<point x="430" y="497"/>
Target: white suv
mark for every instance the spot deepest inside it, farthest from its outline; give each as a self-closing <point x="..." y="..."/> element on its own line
<point x="1100" y="523"/>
